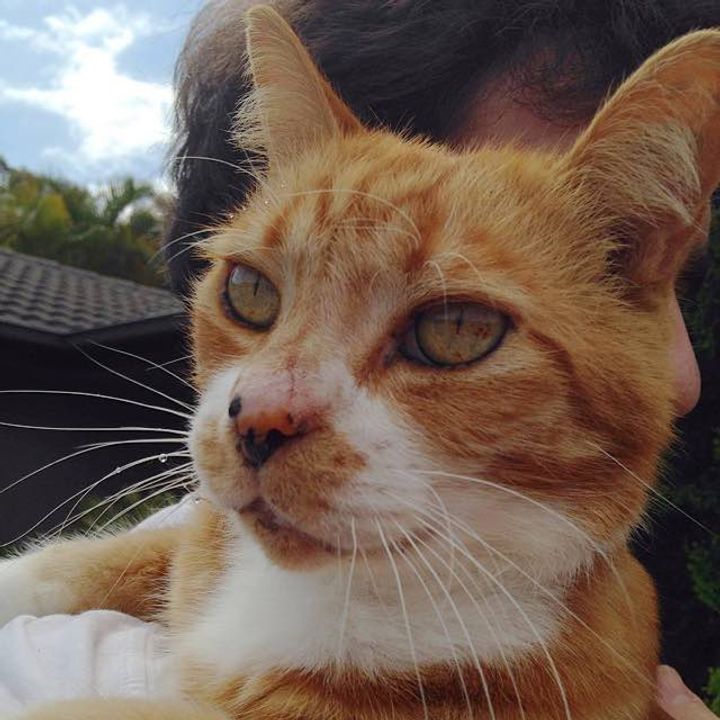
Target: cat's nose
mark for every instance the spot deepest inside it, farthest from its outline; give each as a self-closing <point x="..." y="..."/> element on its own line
<point x="262" y="432"/>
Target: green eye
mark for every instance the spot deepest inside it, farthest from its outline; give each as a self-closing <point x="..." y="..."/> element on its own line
<point x="251" y="298"/>
<point x="454" y="334"/>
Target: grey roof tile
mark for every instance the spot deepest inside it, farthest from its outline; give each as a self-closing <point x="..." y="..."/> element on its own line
<point x="46" y="296"/>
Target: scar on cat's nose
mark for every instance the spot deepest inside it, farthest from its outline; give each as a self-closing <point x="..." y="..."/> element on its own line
<point x="235" y="407"/>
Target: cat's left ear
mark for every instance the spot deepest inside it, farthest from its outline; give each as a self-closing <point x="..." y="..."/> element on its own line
<point x="294" y="105"/>
<point x="649" y="162"/>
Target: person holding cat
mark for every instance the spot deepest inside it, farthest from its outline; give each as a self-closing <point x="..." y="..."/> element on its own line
<point x="531" y="74"/>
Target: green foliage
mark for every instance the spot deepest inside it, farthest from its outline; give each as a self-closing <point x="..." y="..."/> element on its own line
<point x="712" y="690"/>
<point x="116" y="231"/>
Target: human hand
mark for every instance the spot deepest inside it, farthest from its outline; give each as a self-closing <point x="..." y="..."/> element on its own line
<point x="677" y="700"/>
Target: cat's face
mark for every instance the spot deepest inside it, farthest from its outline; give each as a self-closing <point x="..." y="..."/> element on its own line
<point x="398" y="344"/>
<point x="437" y="329"/>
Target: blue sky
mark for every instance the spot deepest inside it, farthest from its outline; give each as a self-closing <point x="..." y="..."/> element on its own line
<point x="85" y="86"/>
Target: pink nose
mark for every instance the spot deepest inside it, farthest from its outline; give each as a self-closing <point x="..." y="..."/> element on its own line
<point x="262" y="430"/>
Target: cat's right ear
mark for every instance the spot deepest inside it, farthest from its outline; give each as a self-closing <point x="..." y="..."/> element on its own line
<point x="648" y="164"/>
<point x="293" y="107"/>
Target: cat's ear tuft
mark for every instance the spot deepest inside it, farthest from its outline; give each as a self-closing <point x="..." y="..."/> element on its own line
<point x="293" y="107"/>
<point x="650" y="160"/>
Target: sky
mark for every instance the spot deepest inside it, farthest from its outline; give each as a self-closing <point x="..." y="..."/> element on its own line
<point x="86" y="85"/>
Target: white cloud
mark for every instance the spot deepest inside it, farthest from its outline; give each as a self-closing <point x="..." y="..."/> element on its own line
<point x="112" y="116"/>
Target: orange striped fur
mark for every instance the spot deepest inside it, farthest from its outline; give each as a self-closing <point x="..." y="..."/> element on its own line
<point x="539" y="457"/>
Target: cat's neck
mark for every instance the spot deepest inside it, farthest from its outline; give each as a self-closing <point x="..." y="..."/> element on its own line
<point x="367" y="615"/>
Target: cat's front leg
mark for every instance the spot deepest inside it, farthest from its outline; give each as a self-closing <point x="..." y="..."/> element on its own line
<point x="122" y="572"/>
<point x="122" y="709"/>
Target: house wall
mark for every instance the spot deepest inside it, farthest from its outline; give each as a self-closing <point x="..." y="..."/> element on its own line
<point x="24" y="504"/>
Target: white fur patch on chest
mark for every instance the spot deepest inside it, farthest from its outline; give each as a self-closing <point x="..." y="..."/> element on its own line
<point x="262" y="618"/>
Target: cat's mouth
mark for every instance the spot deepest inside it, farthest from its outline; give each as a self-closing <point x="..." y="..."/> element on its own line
<point x="272" y="527"/>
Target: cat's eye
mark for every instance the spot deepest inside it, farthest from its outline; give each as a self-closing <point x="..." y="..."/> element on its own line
<point x="251" y="298"/>
<point x="455" y="333"/>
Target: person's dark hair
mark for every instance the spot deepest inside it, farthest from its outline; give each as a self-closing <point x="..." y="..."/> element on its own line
<point x="407" y="64"/>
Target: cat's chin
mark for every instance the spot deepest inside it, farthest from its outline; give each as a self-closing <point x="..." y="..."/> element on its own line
<point x="283" y="542"/>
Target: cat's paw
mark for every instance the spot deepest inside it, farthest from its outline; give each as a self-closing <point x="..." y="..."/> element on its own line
<point x="24" y="591"/>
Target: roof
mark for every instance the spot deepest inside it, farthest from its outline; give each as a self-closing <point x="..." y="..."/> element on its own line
<point x="45" y="301"/>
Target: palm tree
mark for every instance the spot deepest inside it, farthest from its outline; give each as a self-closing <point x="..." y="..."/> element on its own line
<point x="116" y="231"/>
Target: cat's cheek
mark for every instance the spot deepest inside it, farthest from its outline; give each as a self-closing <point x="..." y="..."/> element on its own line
<point x="218" y="467"/>
<point x="391" y="486"/>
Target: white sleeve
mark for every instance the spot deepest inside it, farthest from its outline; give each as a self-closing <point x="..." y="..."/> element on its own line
<point x="97" y="653"/>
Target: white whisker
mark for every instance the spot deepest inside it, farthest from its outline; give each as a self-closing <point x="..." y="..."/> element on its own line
<point x="403" y="606"/>
<point x="346" y="605"/>
<point x="131" y="489"/>
<point x="87" y="489"/>
<point x="147" y="361"/>
<point x="133" y="381"/>
<point x="97" y="396"/>
<point x="479" y="611"/>
<point x="82" y="451"/>
<point x="545" y="591"/>
<point x="132" y="507"/>
<point x="652" y="490"/>
<point x="181" y="479"/>
<point x="596" y="547"/>
<point x="451" y="645"/>
<point x="543" y="645"/>
<point x="382" y="201"/>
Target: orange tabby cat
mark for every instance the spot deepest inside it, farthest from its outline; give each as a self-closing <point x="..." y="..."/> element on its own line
<point x="434" y="390"/>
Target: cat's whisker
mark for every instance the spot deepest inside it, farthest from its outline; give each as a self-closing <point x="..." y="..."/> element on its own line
<point x="147" y="361"/>
<point x="163" y="457"/>
<point x="86" y="490"/>
<point x="506" y="593"/>
<point x="180" y="479"/>
<point x="373" y="581"/>
<point x="382" y="201"/>
<point x="371" y="224"/>
<point x="251" y="172"/>
<point x="454" y="254"/>
<point x="468" y="639"/>
<point x="81" y="451"/>
<point x="238" y="168"/>
<point x="491" y="629"/>
<point x="71" y="518"/>
<point x="652" y="490"/>
<point x="463" y="527"/>
<point x="403" y="606"/>
<point x="447" y="518"/>
<point x="182" y="358"/>
<point x="348" y="590"/>
<point x="441" y="274"/>
<point x="97" y="396"/>
<point x="190" y="246"/>
<point x="592" y="543"/>
<point x="441" y="504"/>
<point x="533" y="629"/>
<point x="203" y="231"/>
<point x="126" y="511"/>
<point x="138" y="441"/>
<point x="131" y="489"/>
<point x="133" y="381"/>
<point x="454" y="543"/>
